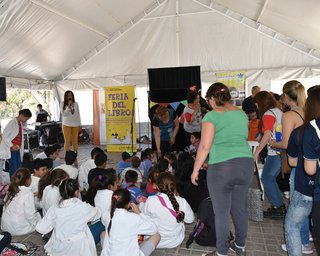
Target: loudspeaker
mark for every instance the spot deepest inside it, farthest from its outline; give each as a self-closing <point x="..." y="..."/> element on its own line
<point x="3" y="89"/>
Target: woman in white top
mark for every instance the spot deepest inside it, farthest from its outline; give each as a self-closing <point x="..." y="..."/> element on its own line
<point x="99" y="195"/>
<point x="169" y="212"/>
<point x="48" y="190"/>
<point x="71" y="235"/>
<point x="125" y="226"/>
<point x="71" y="121"/>
<point x="19" y="215"/>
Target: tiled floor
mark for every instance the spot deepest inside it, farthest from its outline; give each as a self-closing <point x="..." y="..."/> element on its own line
<point x="264" y="238"/>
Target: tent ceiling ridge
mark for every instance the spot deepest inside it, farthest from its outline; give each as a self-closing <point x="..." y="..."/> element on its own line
<point x="111" y="38"/>
<point x="249" y="23"/>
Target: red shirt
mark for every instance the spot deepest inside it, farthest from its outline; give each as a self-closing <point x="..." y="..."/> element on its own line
<point x="18" y="139"/>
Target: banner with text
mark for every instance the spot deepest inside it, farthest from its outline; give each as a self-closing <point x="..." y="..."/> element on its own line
<point x="120" y="120"/>
<point x="235" y="80"/>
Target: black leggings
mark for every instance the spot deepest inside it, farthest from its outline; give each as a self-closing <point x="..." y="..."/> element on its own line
<point x="5" y="241"/>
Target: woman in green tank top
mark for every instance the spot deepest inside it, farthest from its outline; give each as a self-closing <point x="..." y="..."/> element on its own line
<point x="224" y="137"/>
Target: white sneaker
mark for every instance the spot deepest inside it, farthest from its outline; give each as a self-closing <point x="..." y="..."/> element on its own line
<point x="306" y="249"/>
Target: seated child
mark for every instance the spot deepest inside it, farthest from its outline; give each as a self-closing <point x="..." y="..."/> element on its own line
<point x="253" y="126"/>
<point x="195" y="142"/>
<point x="124" y="163"/>
<point x="125" y="226"/>
<point x="135" y="191"/>
<point x="49" y="152"/>
<point x="19" y="215"/>
<point x="169" y="212"/>
<point x="135" y="163"/>
<point x="48" y="193"/>
<point x="152" y="188"/>
<point x="172" y="161"/>
<point x="101" y="164"/>
<point x="40" y="168"/>
<point x="86" y="167"/>
<point x="69" y="223"/>
<point x="99" y="195"/>
<point x="69" y="167"/>
<point x="146" y="161"/>
<point x="162" y="165"/>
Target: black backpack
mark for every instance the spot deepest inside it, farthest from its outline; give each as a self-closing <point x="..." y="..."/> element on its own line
<point x="204" y="232"/>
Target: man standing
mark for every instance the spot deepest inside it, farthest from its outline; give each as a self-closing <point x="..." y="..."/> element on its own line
<point x="248" y="103"/>
<point x="11" y="146"/>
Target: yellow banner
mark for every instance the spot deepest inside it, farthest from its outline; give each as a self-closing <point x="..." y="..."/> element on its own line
<point x="120" y="118"/>
<point x="235" y="80"/>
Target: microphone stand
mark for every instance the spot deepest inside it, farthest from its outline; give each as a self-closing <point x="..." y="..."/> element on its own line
<point x="131" y="127"/>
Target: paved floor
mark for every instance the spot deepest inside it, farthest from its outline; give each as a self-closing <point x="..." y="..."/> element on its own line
<point x="264" y="238"/>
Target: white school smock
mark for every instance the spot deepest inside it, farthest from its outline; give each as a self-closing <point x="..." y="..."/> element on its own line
<point x="41" y="155"/>
<point x="103" y="200"/>
<point x="69" y="119"/>
<point x="123" y="237"/>
<point x="19" y="217"/>
<point x="71" y="170"/>
<point x="171" y="232"/>
<point x="71" y="235"/>
<point x="50" y="197"/>
<point x="84" y="170"/>
<point x="9" y="133"/>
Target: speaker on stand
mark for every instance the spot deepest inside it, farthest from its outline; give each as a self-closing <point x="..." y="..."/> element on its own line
<point x="3" y="89"/>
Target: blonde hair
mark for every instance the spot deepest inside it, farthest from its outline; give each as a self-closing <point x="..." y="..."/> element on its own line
<point x="295" y="91"/>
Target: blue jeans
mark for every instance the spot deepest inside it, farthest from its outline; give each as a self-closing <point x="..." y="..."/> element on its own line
<point x="14" y="162"/>
<point x="296" y="224"/>
<point x="271" y="170"/>
<point x="291" y="181"/>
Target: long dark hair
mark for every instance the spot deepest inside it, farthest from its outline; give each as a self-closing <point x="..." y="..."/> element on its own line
<point x="68" y="188"/>
<point x="265" y="101"/>
<point x="65" y="99"/>
<point x="54" y="178"/>
<point x="120" y="199"/>
<point x="100" y="182"/>
<point x="312" y="105"/>
<point x="19" y="178"/>
<point x="167" y="184"/>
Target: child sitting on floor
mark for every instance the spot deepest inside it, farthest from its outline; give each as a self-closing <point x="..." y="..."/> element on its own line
<point x="125" y="226"/>
<point x="135" y="191"/>
<point x="19" y="215"/>
<point x="69" y="222"/>
<point x="152" y="188"/>
<point x="99" y="195"/>
<point x="169" y="212"/>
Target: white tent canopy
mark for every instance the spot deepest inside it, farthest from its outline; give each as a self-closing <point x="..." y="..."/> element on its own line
<point x="81" y="44"/>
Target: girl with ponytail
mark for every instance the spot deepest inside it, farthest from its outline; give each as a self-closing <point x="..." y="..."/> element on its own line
<point x="48" y="191"/>
<point x="169" y="212"/>
<point x="19" y="213"/>
<point x="126" y="224"/>
<point x="68" y="221"/>
<point x="99" y="195"/>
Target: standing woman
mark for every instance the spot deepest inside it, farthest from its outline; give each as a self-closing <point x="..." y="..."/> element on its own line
<point x="294" y="98"/>
<point x="71" y="121"/>
<point x="270" y="124"/>
<point x="224" y="134"/>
